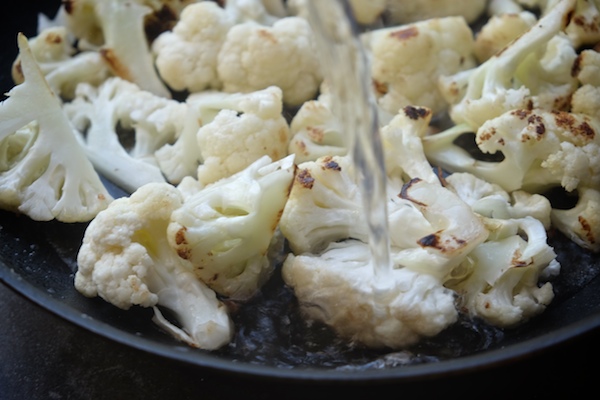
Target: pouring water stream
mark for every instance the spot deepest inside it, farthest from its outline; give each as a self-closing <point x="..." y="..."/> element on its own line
<point x="347" y="73"/>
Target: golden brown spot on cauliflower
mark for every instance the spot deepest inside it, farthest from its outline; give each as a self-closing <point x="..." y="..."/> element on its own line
<point x="521" y="114"/>
<point x="315" y="133"/>
<point x="53" y="38"/>
<point x="267" y="35"/>
<point x="329" y="163"/>
<point x="180" y="236"/>
<point x="380" y="87"/>
<point x="405" y="34"/>
<point x="587" y="228"/>
<point x="115" y="64"/>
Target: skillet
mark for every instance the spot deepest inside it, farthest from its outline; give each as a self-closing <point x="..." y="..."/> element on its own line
<point x="38" y="261"/>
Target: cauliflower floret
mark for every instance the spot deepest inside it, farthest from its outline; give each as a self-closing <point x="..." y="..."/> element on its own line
<point x="126" y="259"/>
<point x="584" y="26"/>
<point x="499" y="31"/>
<point x="491" y="201"/>
<point x="325" y="206"/>
<point x="116" y="30"/>
<point x="316" y="132"/>
<point x="338" y="287"/>
<point x="503" y="284"/>
<point x="403" y="148"/>
<point x="84" y="19"/>
<point x="246" y="127"/>
<point x="100" y="114"/>
<point x="186" y="57"/>
<point x="536" y="147"/>
<point x="407" y="61"/>
<point x="226" y="229"/>
<point x="533" y="71"/>
<point x="45" y="173"/>
<point x="62" y="67"/>
<point x="256" y="56"/>
<point x="586" y="99"/>
<point x="581" y="223"/>
<point x="407" y="11"/>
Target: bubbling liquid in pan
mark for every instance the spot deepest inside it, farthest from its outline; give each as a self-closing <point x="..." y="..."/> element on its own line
<point x="347" y="73"/>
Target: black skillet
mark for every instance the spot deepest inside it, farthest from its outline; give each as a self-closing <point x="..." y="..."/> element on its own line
<point x="38" y="261"/>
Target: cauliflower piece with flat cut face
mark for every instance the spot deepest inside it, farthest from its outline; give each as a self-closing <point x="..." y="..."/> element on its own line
<point x="125" y="258"/>
<point x="407" y="60"/>
<point x="502" y="285"/>
<point x="45" y="172"/>
<point x="316" y="132"/>
<point x="339" y="288"/>
<point x="581" y="223"/>
<point x="225" y="229"/>
<point x="186" y="57"/>
<point x="246" y="127"/>
<point x="119" y="109"/>
<point x="499" y="31"/>
<point x="256" y="56"/>
<point x="491" y="201"/>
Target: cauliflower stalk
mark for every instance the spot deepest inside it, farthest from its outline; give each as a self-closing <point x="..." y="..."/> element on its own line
<point x="225" y="229"/>
<point x="100" y="114"/>
<point x="45" y="173"/>
<point x="126" y="259"/>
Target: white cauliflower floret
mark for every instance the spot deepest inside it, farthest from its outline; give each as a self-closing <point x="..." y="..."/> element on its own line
<point x="126" y="259"/>
<point x="338" y="287"/>
<point x="534" y="71"/>
<point x="406" y="11"/>
<point x="84" y="20"/>
<point x="584" y="26"/>
<point x="491" y="201"/>
<point x="316" y="132"/>
<point x="325" y="206"/>
<point x="45" y="173"/>
<point x="101" y="113"/>
<point x="407" y="60"/>
<point x="116" y="30"/>
<point x="499" y="31"/>
<point x="186" y="57"/>
<point x="256" y="56"/>
<point x="226" y="228"/>
<point x="586" y="99"/>
<point x="246" y="127"/>
<point x="536" y="147"/>
<point x="60" y="63"/>
<point x="503" y="283"/>
<point x="581" y="223"/>
<point x="403" y="148"/>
